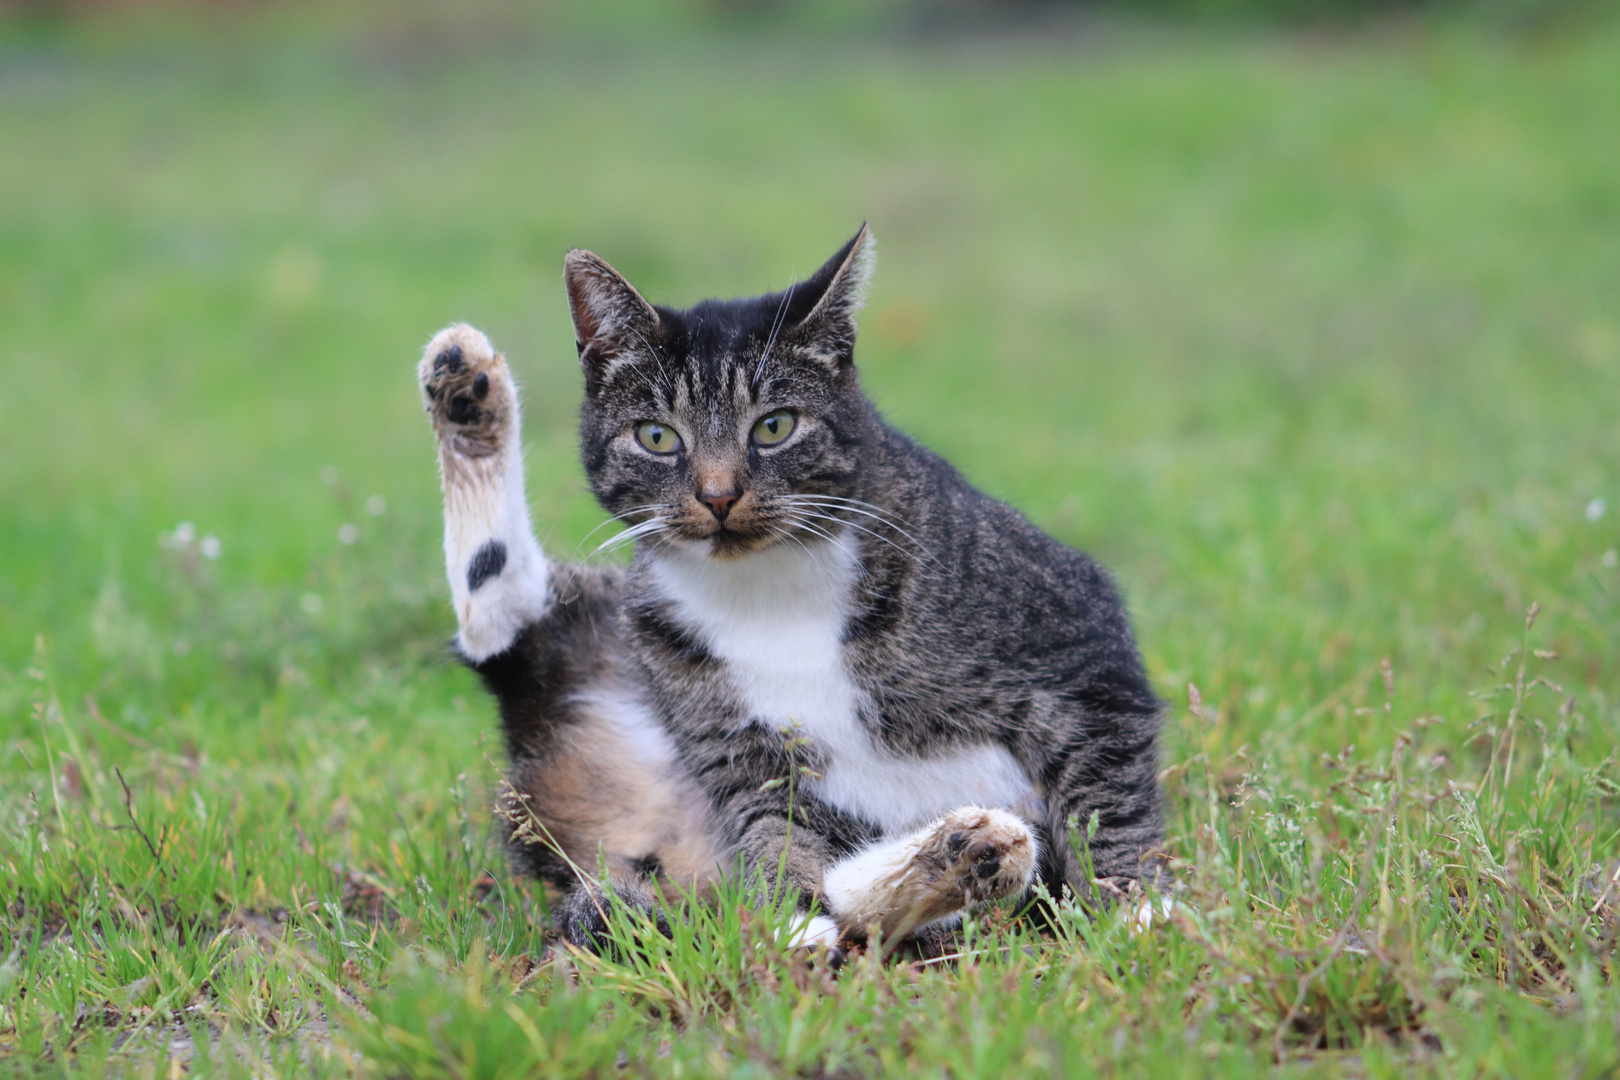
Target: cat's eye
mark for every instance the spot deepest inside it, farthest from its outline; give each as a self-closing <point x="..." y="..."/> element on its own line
<point x="774" y="427"/>
<point x="659" y="438"/>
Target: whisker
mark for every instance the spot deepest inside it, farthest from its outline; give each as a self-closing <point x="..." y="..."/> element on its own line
<point x="816" y="555"/>
<point x="776" y="327"/>
<point x="634" y="532"/>
<point x="879" y="536"/>
<point x="620" y="516"/>
<point x="880" y="516"/>
<point x="885" y="511"/>
<point x="783" y="534"/>
<point x="801" y="520"/>
<point x="631" y="365"/>
<point x="668" y="386"/>
<point x="662" y="539"/>
<point x="804" y="501"/>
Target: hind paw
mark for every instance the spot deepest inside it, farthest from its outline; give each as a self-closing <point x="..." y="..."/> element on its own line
<point x="982" y="855"/>
<point x="468" y="392"/>
<point x="585" y="913"/>
<point x="967" y="858"/>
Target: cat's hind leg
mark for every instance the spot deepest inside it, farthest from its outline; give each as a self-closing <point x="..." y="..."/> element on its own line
<point x="497" y="572"/>
<point x="968" y="858"/>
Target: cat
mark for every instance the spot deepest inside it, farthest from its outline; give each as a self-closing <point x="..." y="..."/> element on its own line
<point x="819" y="614"/>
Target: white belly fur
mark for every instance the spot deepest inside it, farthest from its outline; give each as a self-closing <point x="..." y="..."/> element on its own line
<point x="777" y="619"/>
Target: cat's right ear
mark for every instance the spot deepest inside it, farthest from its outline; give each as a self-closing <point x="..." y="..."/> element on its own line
<point x="610" y="317"/>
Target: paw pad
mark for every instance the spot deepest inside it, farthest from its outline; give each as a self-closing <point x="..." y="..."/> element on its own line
<point x="990" y="853"/>
<point x="467" y="391"/>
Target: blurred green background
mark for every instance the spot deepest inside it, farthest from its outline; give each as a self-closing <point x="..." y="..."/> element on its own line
<point x="1310" y="335"/>
<point x="1302" y="317"/>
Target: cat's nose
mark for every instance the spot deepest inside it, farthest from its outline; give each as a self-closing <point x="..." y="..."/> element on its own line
<point x="720" y="502"/>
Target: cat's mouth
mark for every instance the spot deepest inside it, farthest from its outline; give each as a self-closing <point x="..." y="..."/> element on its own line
<point x="733" y="538"/>
<point x="747" y="528"/>
<point x="727" y="543"/>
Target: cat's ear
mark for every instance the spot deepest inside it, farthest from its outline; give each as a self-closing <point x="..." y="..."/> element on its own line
<point x="831" y="299"/>
<point x="610" y="317"/>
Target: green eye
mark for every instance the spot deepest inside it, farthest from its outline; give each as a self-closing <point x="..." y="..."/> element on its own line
<point x="658" y="438"/>
<point x="774" y="428"/>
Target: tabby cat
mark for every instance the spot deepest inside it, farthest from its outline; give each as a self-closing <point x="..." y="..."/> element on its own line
<point x="813" y="596"/>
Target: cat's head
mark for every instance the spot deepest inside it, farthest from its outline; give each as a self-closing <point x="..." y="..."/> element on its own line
<point x="732" y="425"/>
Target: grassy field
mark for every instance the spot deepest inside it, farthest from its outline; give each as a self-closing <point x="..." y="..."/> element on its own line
<point x="1312" y="338"/>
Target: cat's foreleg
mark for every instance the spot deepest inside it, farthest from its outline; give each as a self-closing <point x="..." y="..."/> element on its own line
<point x="783" y="836"/>
<point x="498" y="574"/>
<point x="968" y="858"/>
<point x="1110" y="775"/>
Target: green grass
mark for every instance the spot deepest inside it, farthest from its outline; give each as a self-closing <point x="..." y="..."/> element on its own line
<point x="1312" y="339"/>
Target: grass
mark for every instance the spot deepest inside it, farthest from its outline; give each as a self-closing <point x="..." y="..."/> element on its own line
<point x="1311" y="338"/>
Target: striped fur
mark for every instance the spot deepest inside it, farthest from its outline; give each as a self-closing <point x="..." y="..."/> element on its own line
<point x="839" y="608"/>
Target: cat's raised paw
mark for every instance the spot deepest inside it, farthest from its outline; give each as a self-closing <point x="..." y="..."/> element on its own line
<point x="468" y="391"/>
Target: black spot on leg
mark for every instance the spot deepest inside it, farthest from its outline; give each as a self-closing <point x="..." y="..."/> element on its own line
<point x="481" y="386"/>
<point x="462" y="411"/>
<point x="487" y="562"/>
<point x="448" y="360"/>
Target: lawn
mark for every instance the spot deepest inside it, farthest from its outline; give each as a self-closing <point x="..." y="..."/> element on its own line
<point x="1312" y="337"/>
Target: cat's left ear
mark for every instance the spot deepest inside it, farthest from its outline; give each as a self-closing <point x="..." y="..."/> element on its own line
<point x="832" y="298"/>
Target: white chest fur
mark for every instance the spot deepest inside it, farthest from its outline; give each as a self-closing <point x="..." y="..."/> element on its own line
<point x="777" y="619"/>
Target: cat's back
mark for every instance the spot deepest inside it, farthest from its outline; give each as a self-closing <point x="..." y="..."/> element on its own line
<point x="980" y="586"/>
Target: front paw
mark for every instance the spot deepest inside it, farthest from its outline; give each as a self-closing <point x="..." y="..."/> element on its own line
<point x="468" y="392"/>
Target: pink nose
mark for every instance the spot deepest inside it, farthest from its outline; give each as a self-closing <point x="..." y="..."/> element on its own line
<point x="719" y="502"/>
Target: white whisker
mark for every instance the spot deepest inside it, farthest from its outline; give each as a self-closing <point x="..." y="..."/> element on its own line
<point x="669" y="387"/>
<point x="815" y="555"/>
<point x="894" y="519"/>
<point x="802" y="521"/>
<point x="620" y="516"/>
<point x="826" y="503"/>
<point x="634" y="532"/>
<point x="640" y="375"/>
<point x="879" y="536"/>
<point x="776" y="327"/>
